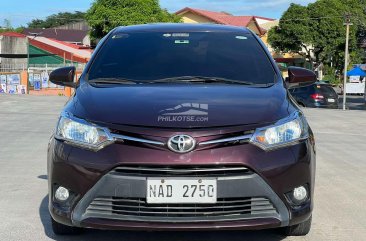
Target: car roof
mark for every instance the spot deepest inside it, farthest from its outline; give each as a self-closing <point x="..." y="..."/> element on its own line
<point x="181" y="27"/>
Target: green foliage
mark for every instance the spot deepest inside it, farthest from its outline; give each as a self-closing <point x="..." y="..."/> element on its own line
<point x="318" y="33"/>
<point x="56" y="20"/>
<point x="104" y="15"/>
<point x="331" y="75"/>
<point x="291" y="35"/>
<point x="7" y="27"/>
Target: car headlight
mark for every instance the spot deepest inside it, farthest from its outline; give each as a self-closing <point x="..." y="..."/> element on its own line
<point x="81" y="133"/>
<point x="286" y="132"/>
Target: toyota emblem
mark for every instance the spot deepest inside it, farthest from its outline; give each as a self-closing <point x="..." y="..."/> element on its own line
<point x="181" y="143"/>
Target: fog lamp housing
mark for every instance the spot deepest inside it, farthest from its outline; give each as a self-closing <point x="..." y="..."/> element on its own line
<point x="298" y="195"/>
<point x="62" y="194"/>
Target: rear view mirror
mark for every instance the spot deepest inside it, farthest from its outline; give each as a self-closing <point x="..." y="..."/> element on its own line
<point x="297" y="76"/>
<point x="64" y="76"/>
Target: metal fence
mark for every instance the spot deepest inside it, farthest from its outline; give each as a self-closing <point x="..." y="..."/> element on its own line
<point x="12" y="67"/>
<point x="12" y="80"/>
<point x="24" y="67"/>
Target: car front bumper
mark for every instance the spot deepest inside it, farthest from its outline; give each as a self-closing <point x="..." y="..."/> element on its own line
<point x="325" y="105"/>
<point x="91" y="176"/>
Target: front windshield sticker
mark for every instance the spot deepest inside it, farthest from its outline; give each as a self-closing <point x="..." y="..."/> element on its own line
<point x="186" y="112"/>
<point x="176" y="35"/>
<point x="241" y="37"/>
<point x="181" y="35"/>
<point x="119" y="36"/>
<point x="181" y="41"/>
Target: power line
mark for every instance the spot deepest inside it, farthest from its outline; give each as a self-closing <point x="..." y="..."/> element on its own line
<point x="308" y="19"/>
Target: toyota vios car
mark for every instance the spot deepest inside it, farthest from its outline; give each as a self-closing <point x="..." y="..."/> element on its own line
<point x="181" y="127"/>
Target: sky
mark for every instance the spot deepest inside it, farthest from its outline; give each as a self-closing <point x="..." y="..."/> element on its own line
<point x="20" y="12"/>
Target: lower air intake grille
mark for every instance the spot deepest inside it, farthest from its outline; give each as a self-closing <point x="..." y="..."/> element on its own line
<point x="225" y="208"/>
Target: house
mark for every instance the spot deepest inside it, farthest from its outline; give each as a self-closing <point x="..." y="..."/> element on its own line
<point x="284" y="60"/>
<point x="72" y="36"/>
<point x="80" y="25"/>
<point x="194" y="15"/>
<point x="14" y="49"/>
<point x="264" y="20"/>
<point x="267" y="26"/>
<point x="63" y="52"/>
<point x="26" y="61"/>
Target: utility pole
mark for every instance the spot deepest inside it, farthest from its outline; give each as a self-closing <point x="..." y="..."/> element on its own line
<point x="347" y="23"/>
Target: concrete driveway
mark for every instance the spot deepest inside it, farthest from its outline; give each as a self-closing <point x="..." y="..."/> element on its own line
<point x="354" y="102"/>
<point x="26" y="123"/>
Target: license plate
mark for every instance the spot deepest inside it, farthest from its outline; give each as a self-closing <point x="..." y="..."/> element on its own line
<point x="331" y="100"/>
<point x="181" y="190"/>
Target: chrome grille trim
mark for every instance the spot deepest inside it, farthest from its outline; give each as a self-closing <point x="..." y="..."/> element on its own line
<point x="245" y="138"/>
<point x="118" y="137"/>
<point x="187" y="171"/>
<point x="242" y="138"/>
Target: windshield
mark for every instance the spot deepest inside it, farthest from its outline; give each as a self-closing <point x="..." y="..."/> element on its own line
<point x="153" y="56"/>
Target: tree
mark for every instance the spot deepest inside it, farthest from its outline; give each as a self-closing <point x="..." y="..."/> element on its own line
<point x="327" y="21"/>
<point x="7" y="27"/>
<point x="56" y="20"/>
<point x="293" y="34"/>
<point x="104" y="15"/>
<point x="317" y="31"/>
<point x="7" y="24"/>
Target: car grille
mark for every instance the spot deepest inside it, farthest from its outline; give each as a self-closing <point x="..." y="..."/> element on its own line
<point x="225" y="208"/>
<point x="186" y="171"/>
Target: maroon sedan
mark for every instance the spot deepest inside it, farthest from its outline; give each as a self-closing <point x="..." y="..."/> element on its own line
<point x="181" y="127"/>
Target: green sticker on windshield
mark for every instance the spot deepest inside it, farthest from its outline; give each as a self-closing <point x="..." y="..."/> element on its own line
<point x="181" y="41"/>
<point x="119" y="36"/>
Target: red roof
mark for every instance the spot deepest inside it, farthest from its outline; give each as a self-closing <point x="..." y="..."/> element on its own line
<point x="66" y="35"/>
<point x="224" y="18"/>
<point x="13" y="34"/>
<point x="269" y="19"/>
<point x="61" y="49"/>
<point x="71" y="45"/>
<point x="240" y="21"/>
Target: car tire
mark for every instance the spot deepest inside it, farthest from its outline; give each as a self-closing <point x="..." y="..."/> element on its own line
<point x="300" y="229"/>
<point x="61" y="229"/>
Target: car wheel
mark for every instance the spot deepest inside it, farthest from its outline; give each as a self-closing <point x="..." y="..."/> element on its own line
<point x="300" y="229"/>
<point x="61" y="229"/>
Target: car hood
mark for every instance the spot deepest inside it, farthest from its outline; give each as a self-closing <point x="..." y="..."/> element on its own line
<point x="180" y="105"/>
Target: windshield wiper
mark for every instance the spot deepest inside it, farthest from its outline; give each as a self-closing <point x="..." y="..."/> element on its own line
<point x="200" y="79"/>
<point x="113" y="81"/>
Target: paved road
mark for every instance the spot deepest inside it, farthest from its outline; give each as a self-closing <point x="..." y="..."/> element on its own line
<point x="354" y="102"/>
<point x="26" y="123"/>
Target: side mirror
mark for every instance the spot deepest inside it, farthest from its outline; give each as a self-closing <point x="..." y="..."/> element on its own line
<point x="298" y="76"/>
<point x="64" y="76"/>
